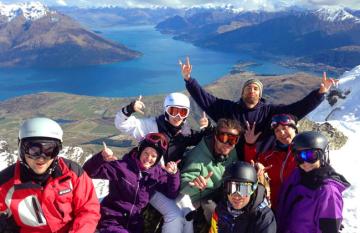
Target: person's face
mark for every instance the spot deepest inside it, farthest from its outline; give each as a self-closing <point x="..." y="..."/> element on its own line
<point x="238" y="202"/>
<point x="40" y="164"/>
<point x="284" y="134"/>
<point x="148" y="157"/>
<point x="307" y="167"/>
<point x="224" y="148"/>
<point x="251" y="94"/>
<point x="175" y="121"/>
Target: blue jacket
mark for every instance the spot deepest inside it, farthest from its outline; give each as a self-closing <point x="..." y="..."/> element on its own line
<point x="311" y="202"/>
<point x="262" y="113"/>
<point x="129" y="189"/>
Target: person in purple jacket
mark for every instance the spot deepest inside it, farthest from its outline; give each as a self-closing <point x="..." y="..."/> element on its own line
<point x="311" y="199"/>
<point x="251" y="107"/>
<point x="132" y="181"/>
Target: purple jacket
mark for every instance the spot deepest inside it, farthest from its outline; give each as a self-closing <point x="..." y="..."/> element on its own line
<point x="218" y="108"/>
<point x="129" y="190"/>
<point x="310" y="209"/>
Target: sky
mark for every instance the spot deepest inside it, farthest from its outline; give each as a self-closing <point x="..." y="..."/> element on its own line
<point x="270" y="5"/>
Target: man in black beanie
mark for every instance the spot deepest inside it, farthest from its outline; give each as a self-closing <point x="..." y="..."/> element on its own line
<point x="251" y="110"/>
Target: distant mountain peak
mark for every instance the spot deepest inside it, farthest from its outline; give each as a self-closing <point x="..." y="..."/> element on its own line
<point x="336" y="14"/>
<point x="30" y="10"/>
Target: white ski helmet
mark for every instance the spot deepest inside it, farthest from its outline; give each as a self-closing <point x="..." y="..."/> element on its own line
<point x="40" y="127"/>
<point x="177" y="99"/>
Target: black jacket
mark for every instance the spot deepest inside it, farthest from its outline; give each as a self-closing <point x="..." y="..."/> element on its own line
<point x="256" y="217"/>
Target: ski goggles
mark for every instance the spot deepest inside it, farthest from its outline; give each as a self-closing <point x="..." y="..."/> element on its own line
<point x="309" y="156"/>
<point x="227" y="138"/>
<point x="45" y="150"/>
<point x="157" y="139"/>
<point x="282" y="119"/>
<point x="244" y="189"/>
<point x="175" y="111"/>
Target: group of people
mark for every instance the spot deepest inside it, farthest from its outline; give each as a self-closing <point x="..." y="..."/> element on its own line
<point x="251" y="172"/>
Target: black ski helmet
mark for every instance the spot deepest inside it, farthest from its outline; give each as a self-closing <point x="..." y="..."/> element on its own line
<point x="240" y="171"/>
<point x="312" y="140"/>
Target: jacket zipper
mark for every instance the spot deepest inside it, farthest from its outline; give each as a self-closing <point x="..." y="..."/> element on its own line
<point x="133" y="205"/>
<point x="283" y="166"/>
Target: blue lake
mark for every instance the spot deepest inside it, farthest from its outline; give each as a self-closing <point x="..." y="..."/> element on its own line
<point x="156" y="72"/>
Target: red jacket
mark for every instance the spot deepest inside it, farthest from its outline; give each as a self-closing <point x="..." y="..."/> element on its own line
<point x="283" y="163"/>
<point x="67" y="203"/>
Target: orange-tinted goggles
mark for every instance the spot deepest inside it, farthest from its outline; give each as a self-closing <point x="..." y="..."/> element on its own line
<point x="174" y="111"/>
<point x="230" y="139"/>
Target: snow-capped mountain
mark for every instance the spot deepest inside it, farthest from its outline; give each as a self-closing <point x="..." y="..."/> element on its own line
<point x="30" y="10"/>
<point x="336" y="14"/>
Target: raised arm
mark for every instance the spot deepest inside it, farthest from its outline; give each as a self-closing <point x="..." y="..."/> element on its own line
<point x="215" y="107"/>
<point x="304" y="106"/>
<point x="101" y="165"/>
<point x="130" y="125"/>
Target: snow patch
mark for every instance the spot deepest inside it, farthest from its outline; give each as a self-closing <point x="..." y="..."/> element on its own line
<point x="30" y="10"/>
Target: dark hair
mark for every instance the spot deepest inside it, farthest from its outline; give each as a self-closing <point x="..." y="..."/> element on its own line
<point x="229" y="124"/>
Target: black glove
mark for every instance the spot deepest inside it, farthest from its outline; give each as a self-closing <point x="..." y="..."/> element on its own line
<point x="129" y="109"/>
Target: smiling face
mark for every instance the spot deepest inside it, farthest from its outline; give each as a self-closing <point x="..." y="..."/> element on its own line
<point x="148" y="157"/>
<point x="39" y="165"/>
<point x="175" y="121"/>
<point x="238" y="202"/>
<point x="307" y="167"/>
<point x="284" y="134"/>
<point x="251" y="95"/>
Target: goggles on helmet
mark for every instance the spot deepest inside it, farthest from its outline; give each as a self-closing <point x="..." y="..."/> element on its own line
<point x="282" y="119"/>
<point x="227" y="138"/>
<point x="309" y="155"/>
<point x="40" y="149"/>
<point x="244" y="189"/>
<point x="174" y="111"/>
<point x="158" y="140"/>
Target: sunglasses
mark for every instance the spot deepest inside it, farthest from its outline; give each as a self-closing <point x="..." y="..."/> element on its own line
<point x="244" y="189"/>
<point x="309" y="156"/>
<point x="227" y="138"/>
<point x="282" y="119"/>
<point x="157" y="139"/>
<point x="45" y="150"/>
<point x="174" y="111"/>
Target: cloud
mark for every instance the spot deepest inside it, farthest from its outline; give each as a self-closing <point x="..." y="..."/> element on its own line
<point x="245" y="4"/>
<point x="61" y="2"/>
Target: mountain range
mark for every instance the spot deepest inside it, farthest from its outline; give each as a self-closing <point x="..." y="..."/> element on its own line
<point x="328" y="36"/>
<point x="33" y="35"/>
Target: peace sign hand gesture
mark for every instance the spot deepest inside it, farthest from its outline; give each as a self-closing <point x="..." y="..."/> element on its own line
<point x="327" y="83"/>
<point x="250" y="136"/>
<point x="186" y="68"/>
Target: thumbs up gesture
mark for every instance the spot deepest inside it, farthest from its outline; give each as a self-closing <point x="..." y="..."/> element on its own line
<point x="171" y="167"/>
<point x="107" y="154"/>
<point x="204" y="121"/>
<point x="200" y="182"/>
<point x="139" y="105"/>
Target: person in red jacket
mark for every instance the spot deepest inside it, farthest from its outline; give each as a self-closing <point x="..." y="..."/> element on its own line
<point x="43" y="192"/>
<point x="279" y="160"/>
